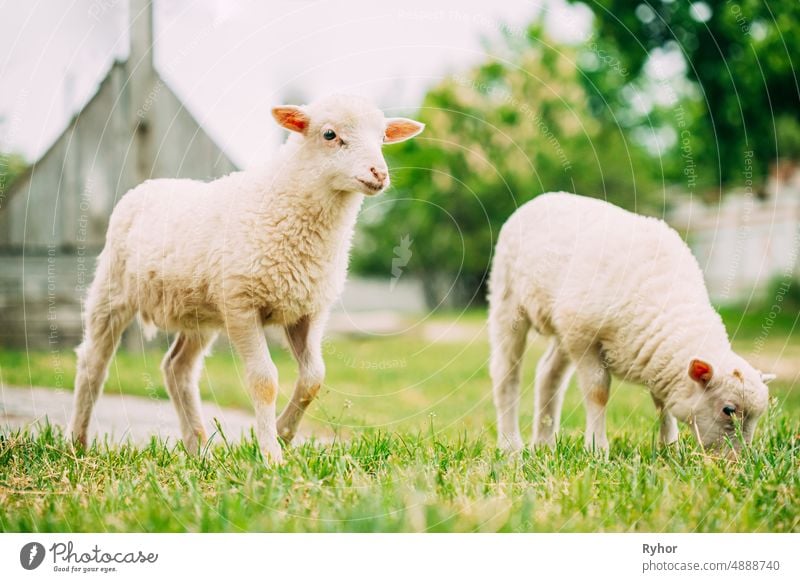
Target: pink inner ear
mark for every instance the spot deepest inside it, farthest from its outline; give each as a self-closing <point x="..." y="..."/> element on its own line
<point x="700" y="371"/>
<point x="291" y="118"/>
<point x="400" y="129"/>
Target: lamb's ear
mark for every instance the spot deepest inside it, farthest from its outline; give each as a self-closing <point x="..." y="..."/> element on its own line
<point x="400" y="129"/>
<point x="767" y="378"/>
<point x="700" y="371"/>
<point x="291" y="117"/>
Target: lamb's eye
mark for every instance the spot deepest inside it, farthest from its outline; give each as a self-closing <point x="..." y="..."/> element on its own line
<point x="329" y="134"/>
<point x="729" y="410"/>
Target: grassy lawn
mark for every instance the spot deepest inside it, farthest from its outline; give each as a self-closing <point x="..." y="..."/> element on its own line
<point x="412" y="425"/>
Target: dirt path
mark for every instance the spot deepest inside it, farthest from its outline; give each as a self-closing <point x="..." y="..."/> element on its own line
<point x="118" y="418"/>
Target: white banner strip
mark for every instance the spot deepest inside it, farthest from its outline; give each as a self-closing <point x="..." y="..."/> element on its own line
<point x="401" y="557"/>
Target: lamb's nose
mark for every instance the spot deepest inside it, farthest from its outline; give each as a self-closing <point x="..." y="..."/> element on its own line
<point x="380" y="175"/>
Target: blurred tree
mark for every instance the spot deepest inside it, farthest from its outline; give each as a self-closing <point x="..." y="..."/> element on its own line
<point x="497" y="135"/>
<point x="737" y="57"/>
<point x="11" y="166"/>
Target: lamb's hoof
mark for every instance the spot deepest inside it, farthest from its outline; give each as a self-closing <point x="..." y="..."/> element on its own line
<point x="273" y="455"/>
<point x="544" y="444"/>
<point x="79" y="441"/>
<point x="510" y="445"/>
<point x="195" y="443"/>
<point x="286" y="435"/>
<point x="600" y="451"/>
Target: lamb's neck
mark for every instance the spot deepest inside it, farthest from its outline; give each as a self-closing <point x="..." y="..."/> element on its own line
<point x="297" y="199"/>
<point x="695" y="332"/>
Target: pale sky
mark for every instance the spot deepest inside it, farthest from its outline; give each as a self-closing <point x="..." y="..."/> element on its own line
<point x="230" y="61"/>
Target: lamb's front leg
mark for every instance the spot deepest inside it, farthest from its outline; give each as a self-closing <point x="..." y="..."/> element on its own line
<point x="247" y="337"/>
<point x="669" y="424"/>
<point x="595" y="381"/>
<point x="305" y="339"/>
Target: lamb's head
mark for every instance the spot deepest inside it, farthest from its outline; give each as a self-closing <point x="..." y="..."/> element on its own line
<point x="722" y="401"/>
<point x="338" y="140"/>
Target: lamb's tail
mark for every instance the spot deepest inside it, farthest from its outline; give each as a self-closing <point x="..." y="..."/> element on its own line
<point x="499" y="285"/>
<point x="504" y="311"/>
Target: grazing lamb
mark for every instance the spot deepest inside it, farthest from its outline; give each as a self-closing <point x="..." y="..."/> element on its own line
<point x="617" y="293"/>
<point x="264" y="246"/>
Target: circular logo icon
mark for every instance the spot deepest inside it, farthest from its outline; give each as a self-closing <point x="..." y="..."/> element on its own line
<point x="31" y="555"/>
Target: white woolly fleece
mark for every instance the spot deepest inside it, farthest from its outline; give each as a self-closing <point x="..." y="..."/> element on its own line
<point x="275" y="238"/>
<point x="264" y="246"/>
<point x="596" y="276"/>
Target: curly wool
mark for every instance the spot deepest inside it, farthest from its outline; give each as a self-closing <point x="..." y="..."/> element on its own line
<point x="187" y="253"/>
<point x="597" y="277"/>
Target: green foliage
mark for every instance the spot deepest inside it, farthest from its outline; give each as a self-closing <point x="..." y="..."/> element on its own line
<point x="740" y="66"/>
<point x="11" y="167"/>
<point x="786" y="292"/>
<point x="497" y="135"/>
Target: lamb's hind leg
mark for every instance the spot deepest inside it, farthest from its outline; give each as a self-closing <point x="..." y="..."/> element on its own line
<point x="305" y="339"/>
<point x="181" y="367"/>
<point x="552" y="377"/>
<point x="105" y="320"/>
<point x="595" y="382"/>
<point x="508" y="329"/>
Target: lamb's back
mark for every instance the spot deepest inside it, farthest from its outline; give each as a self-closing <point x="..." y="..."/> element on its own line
<point x="586" y="262"/>
<point x="167" y="225"/>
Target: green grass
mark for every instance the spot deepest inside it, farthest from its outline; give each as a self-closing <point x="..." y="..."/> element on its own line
<point x="406" y="427"/>
<point x="399" y="482"/>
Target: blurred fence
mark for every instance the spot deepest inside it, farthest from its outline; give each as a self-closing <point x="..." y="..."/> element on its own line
<point x="748" y="241"/>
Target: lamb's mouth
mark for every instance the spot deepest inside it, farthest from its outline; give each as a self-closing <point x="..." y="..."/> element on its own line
<point x="371" y="186"/>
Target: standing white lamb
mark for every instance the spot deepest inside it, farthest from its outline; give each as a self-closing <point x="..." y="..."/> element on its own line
<point x="617" y="293"/>
<point x="264" y="246"/>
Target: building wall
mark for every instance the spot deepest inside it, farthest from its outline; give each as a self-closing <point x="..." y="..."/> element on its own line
<point x="68" y="195"/>
<point x="39" y="300"/>
<point x="182" y="148"/>
<point x="744" y="244"/>
<point x="55" y="221"/>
